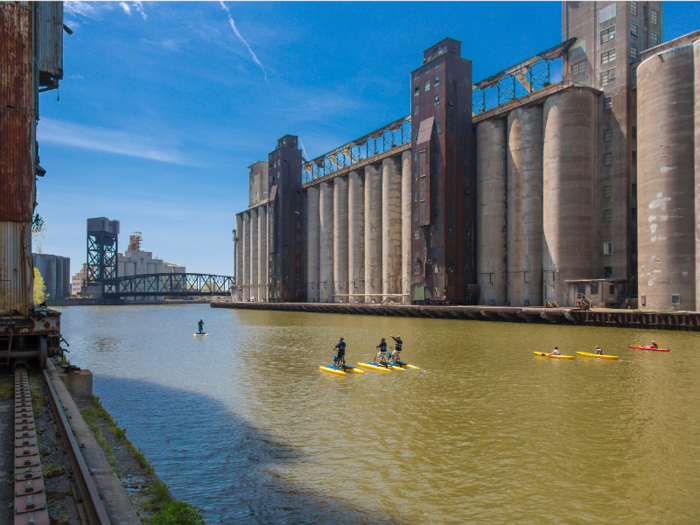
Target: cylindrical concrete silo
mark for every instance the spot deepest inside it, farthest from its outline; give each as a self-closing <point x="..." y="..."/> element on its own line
<point x="50" y="277"/>
<point x="326" y="237"/>
<point x="246" y="256"/>
<point x="373" y="233"/>
<point x="524" y="163"/>
<point x="239" y="257"/>
<point x="491" y="211"/>
<point x="391" y="227"/>
<point x="313" y="256"/>
<point x="59" y="277"/>
<point x="406" y="185"/>
<point x="254" y="254"/>
<point x="67" y="286"/>
<point x="262" y="253"/>
<point x="665" y="180"/>
<point x="356" y="236"/>
<point x="567" y="192"/>
<point x="696" y="53"/>
<point x="340" y="239"/>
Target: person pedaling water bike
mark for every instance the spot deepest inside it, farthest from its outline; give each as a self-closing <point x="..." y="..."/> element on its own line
<point x="398" y="343"/>
<point x="381" y="354"/>
<point x="598" y="350"/>
<point x="340" y="358"/>
<point x="653" y="345"/>
<point x="556" y="351"/>
<point x="201" y="326"/>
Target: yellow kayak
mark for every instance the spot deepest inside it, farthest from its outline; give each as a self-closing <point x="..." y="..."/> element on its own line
<point x="545" y="354"/>
<point x="374" y="366"/>
<point x="599" y="356"/>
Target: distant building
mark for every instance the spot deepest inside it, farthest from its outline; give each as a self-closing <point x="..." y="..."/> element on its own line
<point x="56" y="273"/>
<point x="78" y="280"/>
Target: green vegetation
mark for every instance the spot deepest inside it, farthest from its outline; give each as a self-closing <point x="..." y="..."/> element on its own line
<point x="7" y="389"/>
<point x="52" y="470"/>
<point x="91" y="417"/>
<point x="178" y="513"/>
<point x="40" y="294"/>
<point x="37" y="396"/>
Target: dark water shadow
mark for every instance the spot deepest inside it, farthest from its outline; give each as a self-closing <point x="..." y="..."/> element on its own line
<point x="218" y="461"/>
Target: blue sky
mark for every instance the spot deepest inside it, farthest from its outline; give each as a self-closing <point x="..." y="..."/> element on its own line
<point x="163" y="107"/>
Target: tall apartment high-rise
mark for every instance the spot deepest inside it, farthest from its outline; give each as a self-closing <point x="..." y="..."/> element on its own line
<point x="442" y="204"/>
<point x="610" y="39"/>
<point x="285" y="278"/>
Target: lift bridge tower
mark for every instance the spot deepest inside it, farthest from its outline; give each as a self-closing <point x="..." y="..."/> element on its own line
<point x="102" y="250"/>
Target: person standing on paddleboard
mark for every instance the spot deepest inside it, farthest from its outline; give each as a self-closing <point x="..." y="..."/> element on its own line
<point x="340" y="361"/>
<point x="398" y="343"/>
<point x="201" y="326"/>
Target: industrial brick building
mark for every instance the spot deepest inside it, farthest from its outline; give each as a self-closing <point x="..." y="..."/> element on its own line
<point x="566" y="179"/>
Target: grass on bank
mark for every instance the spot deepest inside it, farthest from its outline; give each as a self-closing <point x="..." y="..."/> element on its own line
<point x="166" y="510"/>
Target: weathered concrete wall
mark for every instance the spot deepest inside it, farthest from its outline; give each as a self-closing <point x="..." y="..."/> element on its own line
<point x="239" y="257"/>
<point x="263" y="256"/>
<point x="491" y="211"/>
<point x="340" y="239"/>
<point x="391" y="227"/>
<point x="568" y="181"/>
<point x="373" y="233"/>
<point x="406" y="258"/>
<point x="254" y="243"/>
<point x="665" y="178"/>
<point x="314" y="246"/>
<point x="524" y="164"/>
<point x="356" y="236"/>
<point x="326" y="239"/>
<point x="696" y="65"/>
<point x="246" y="256"/>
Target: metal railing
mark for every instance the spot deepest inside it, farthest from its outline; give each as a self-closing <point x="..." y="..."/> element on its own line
<point x="168" y="284"/>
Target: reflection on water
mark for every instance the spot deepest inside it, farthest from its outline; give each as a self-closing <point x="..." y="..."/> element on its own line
<point x="243" y="424"/>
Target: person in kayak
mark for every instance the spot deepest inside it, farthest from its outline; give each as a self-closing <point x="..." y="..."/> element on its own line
<point x="398" y="343"/>
<point x="555" y="351"/>
<point x="340" y="359"/>
<point x="653" y="345"/>
<point x="598" y="350"/>
<point x="201" y="326"/>
<point x="382" y="353"/>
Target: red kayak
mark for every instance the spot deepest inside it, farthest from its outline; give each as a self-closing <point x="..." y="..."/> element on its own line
<point x="637" y="347"/>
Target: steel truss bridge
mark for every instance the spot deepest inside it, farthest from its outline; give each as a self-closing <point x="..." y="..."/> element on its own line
<point x="168" y="284"/>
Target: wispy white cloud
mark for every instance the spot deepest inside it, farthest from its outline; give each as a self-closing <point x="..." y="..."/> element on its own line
<point x="139" y="7"/>
<point x="94" y="10"/>
<point x="235" y="30"/>
<point x="170" y="44"/>
<point x="125" y="7"/>
<point x="108" y="140"/>
<point x="77" y="77"/>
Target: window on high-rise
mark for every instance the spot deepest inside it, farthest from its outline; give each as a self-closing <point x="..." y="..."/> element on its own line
<point x="437" y="81"/>
<point x="607" y="56"/>
<point x="416" y="91"/>
<point x="607" y="191"/>
<point x="607" y="247"/>
<point x="607" y="77"/>
<point x="654" y="38"/>
<point x="607" y="215"/>
<point x="436" y="100"/>
<point x="427" y="85"/>
<point x="607" y="135"/>
<point x="654" y="17"/>
<point x="416" y="109"/>
<point x="608" y="159"/>
<point x="634" y="8"/>
<point x="634" y="30"/>
<point x="607" y="34"/>
<point x="634" y="53"/>
<point x="578" y="68"/>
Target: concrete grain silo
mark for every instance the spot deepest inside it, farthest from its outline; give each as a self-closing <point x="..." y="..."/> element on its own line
<point x="491" y="211"/>
<point x="340" y="239"/>
<point x="326" y="241"/>
<point x="525" y="206"/>
<point x="373" y="234"/>
<point x="356" y="236"/>
<point x="567" y="192"/>
<point x="391" y="227"/>
<point x="313" y="246"/>
<point x="666" y="180"/>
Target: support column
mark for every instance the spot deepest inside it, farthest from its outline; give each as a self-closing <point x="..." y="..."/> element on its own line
<point x="373" y="234"/>
<point x="326" y="235"/>
<point x="391" y="227"/>
<point x="313" y="246"/>
<point x="406" y="259"/>
<point x="340" y="239"/>
<point x="356" y="236"/>
<point x="246" y="256"/>
<point x="262" y="253"/>
<point x="254" y="254"/>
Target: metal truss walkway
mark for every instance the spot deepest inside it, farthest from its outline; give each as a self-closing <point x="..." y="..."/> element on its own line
<point x="168" y="284"/>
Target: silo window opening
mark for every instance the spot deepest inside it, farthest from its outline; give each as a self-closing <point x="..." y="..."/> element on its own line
<point x="607" y="77"/>
<point x="608" y="159"/>
<point x="607" y="56"/>
<point x="676" y="299"/>
<point x="607" y="248"/>
<point x="607" y="34"/>
<point x="607" y="103"/>
<point x="634" y="53"/>
<point x="578" y="68"/>
<point x="654" y="17"/>
<point x="654" y="38"/>
<point x="436" y="83"/>
<point x="634" y="30"/>
<point x="607" y="135"/>
<point x="607" y="215"/>
<point x="416" y="92"/>
<point x="607" y="191"/>
<point x="427" y="85"/>
<point x="608" y="272"/>
<point x="436" y="100"/>
<point x="634" y="8"/>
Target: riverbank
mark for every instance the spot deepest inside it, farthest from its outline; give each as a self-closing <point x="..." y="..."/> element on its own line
<point x="684" y="321"/>
<point x="83" y="301"/>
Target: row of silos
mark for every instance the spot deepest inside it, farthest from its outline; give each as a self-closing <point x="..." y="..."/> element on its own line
<point x="668" y="102"/>
<point x="535" y="200"/>
<point x="55" y="270"/>
<point x="252" y="254"/>
<point x="358" y="234"/>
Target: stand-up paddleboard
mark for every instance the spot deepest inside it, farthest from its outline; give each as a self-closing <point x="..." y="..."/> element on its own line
<point x="339" y="370"/>
<point x="201" y="335"/>
<point x="597" y="356"/>
<point x="638" y="347"/>
<point x="545" y="354"/>
<point x="375" y="366"/>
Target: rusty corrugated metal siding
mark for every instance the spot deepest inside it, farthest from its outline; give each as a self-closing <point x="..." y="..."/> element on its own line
<point x="17" y="125"/>
<point x="49" y="38"/>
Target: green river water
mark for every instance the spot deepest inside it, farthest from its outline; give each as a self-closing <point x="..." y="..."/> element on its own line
<point x="243" y="424"/>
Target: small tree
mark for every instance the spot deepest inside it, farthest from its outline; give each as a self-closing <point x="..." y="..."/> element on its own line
<point x="40" y="294"/>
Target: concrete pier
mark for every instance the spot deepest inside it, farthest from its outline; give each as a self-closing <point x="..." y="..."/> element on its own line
<point x="373" y="234"/>
<point x="406" y="259"/>
<point x="391" y="228"/>
<point x="340" y="240"/>
<point x="524" y="163"/>
<point x="313" y="246"/>
<point x="491" y="211"/>
<point x="326" y="238"/>
<point x="356" y="236"/>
